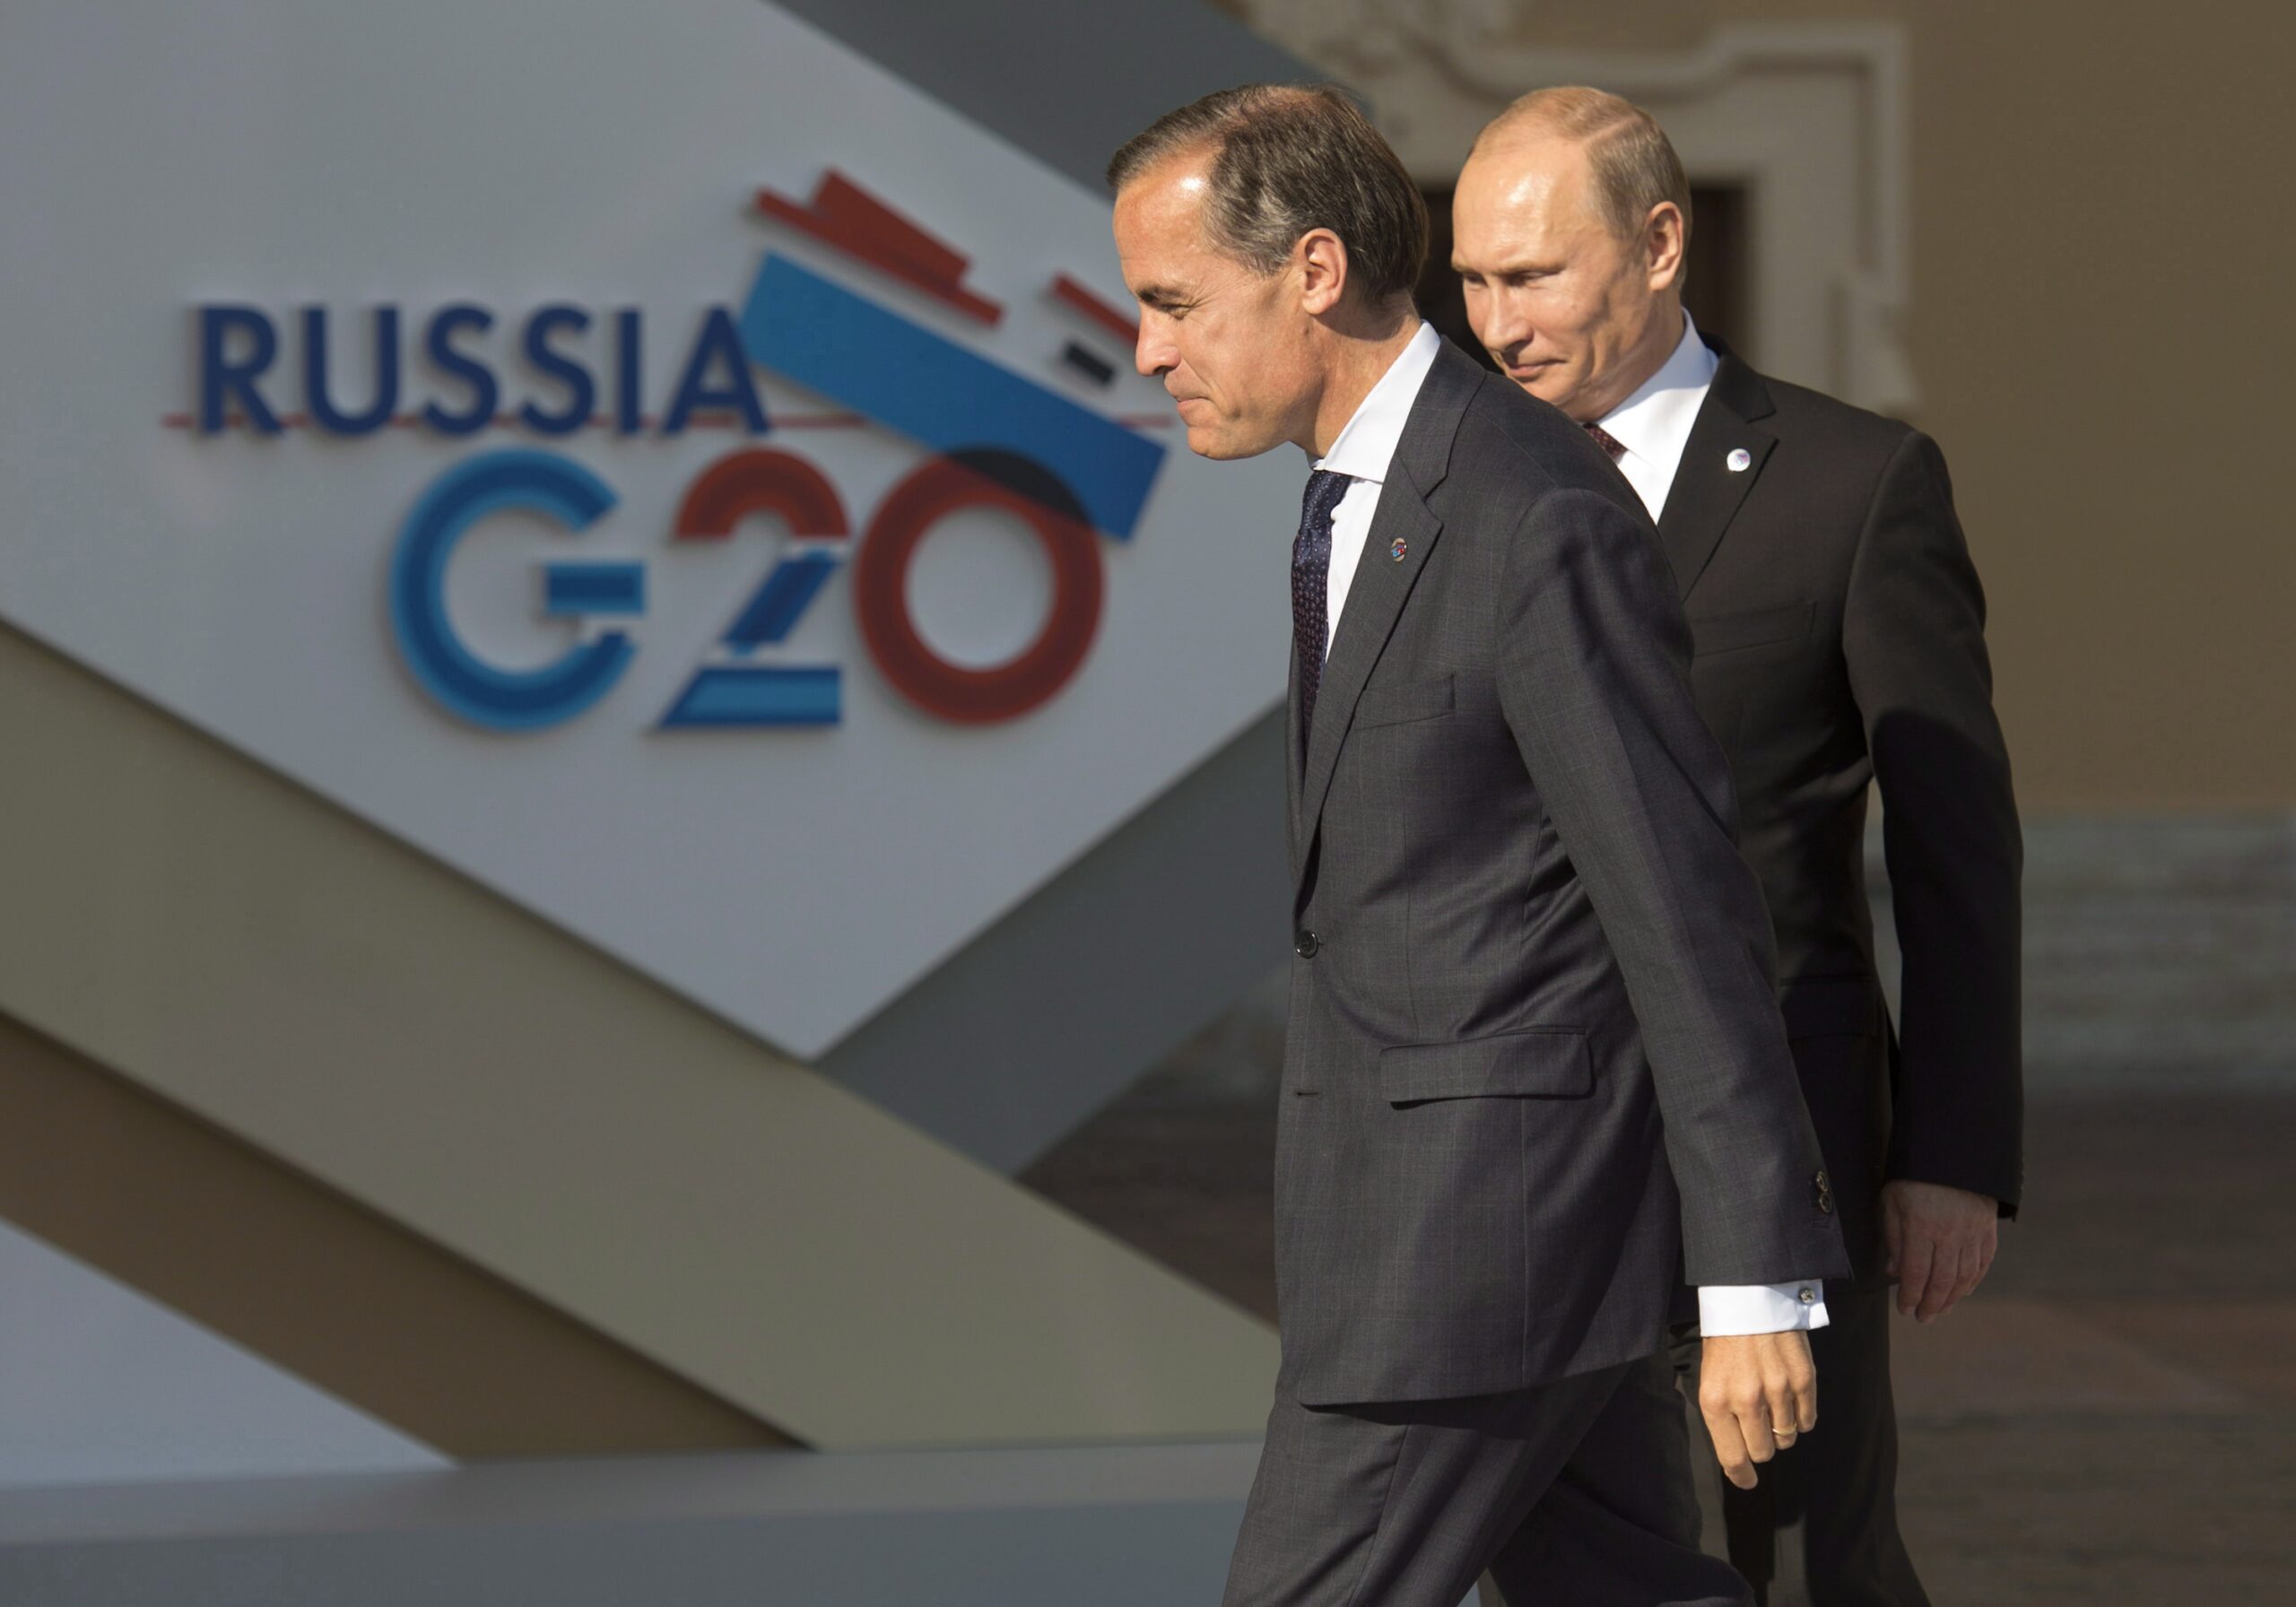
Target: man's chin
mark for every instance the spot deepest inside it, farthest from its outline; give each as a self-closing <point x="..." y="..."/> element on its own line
<point x="1547" y="384"/>
<point x="1217" y="445"/>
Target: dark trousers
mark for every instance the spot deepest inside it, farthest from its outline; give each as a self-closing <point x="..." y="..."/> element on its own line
<point x="1820" y="1527"/>
<point x="1574" y="1494"/>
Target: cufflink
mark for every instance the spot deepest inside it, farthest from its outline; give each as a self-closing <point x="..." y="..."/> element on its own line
<point x="1806" y="1295"/>
<point x="1740" y="460"/>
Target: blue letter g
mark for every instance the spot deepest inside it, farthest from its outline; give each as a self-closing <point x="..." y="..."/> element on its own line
<point x="501" y="700"/>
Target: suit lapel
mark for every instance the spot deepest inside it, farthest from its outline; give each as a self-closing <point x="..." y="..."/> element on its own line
<point x="1292" y="761"/>
<point x="1383" y="582"/>
<point x="1374" y="600"/>
<point x="1707" y="490"/>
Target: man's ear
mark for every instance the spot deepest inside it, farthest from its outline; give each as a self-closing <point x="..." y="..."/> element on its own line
<point x="1665" y="240"/>
<point x="1321" y="259"/>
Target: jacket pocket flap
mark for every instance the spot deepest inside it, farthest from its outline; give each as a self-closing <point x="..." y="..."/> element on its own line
<point x="1831" y="1006"/>
<point x="1549" y="1063"/>
<point x="1761" y="628"/>
<point x="1412" y="701"/>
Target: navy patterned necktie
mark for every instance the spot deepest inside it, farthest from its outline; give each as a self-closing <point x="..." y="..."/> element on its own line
<point x="1310" y="574"/>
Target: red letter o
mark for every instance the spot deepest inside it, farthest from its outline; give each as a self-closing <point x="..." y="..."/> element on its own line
<point x="937" y="488"/>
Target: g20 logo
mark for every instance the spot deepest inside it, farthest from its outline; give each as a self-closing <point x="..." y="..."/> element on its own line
<point x="752" y="481"/>
<point x="998" y="440"/>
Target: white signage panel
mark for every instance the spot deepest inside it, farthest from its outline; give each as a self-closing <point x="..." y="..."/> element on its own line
<point x="649" y="457"/>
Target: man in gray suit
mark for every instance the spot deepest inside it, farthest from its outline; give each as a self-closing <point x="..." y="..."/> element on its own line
<point x="1536" y="1071"/>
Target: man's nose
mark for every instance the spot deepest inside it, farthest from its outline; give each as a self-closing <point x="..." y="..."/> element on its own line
<point x="1499" y="322"/>
<point x="1154" y="353"/>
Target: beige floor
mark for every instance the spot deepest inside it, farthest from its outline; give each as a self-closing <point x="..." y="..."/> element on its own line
<point x="2113" y="1418"/>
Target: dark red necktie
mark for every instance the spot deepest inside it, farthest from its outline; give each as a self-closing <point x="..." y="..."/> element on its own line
<point x="1607" y="441"/>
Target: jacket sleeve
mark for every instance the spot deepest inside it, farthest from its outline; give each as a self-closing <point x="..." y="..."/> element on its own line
<point x="1594" y="682"/>
<point x="1914" y="638"/>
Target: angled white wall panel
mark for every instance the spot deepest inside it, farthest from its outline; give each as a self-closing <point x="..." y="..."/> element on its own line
<point x="273" y="964"/>
<point x="99" y="1384"/>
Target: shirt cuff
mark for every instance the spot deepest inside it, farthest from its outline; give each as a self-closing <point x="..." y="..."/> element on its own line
<point x="1761" y="1308"/>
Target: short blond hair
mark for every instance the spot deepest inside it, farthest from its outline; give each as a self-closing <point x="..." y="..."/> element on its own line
<point x="1633" y="162"/>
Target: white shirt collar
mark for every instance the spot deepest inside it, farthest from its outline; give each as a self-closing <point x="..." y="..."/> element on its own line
<point x="1654" y="422"/>
<point x="1367" y="447"/>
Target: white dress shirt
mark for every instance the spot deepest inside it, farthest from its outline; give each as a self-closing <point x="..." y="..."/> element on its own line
<point x="1362" y="453"/>
<point x="1653" y="424"/>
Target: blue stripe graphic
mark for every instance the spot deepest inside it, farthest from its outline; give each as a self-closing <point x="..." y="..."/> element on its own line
<point x="579" y="588"/>
<point x="720" y="696"/>
<point x="787" y="594"/>
<point x="910" y="379"/>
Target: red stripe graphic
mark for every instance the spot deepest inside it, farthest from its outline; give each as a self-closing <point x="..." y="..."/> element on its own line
<point x="1107" y="316"/>
<point x="843" y="214"/>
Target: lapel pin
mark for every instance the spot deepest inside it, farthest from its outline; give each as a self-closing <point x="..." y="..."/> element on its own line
<point x="1398" y="549"/>
<point x="1740" y="460"/>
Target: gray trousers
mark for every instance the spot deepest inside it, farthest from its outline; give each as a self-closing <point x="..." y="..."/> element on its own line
<point x="1574" y="1494"/>
<point x="1820" y="1527"/>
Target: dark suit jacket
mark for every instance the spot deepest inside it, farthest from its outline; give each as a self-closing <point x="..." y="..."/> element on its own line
<point x="1533" y="993"/>
<point x="1840" y="640"/>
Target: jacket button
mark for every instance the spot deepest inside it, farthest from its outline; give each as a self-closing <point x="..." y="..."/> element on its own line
<point x="1304" y="943"/>
<point x="1825" y="1194"/>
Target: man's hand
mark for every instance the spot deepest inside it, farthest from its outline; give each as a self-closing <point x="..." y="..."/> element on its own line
<point x="1758" y="1391"/>
<point x="1941" y="1242"/>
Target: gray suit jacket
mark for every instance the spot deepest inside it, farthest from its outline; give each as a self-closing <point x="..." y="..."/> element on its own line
<point x="1534" y="1074"/>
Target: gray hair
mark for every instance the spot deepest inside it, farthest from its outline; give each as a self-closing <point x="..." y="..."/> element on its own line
<point x="1288" y="159"/>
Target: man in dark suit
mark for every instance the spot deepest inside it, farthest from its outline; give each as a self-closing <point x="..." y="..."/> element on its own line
<point x="1535" y="1066"/>
<point x="1840" y="632"/>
